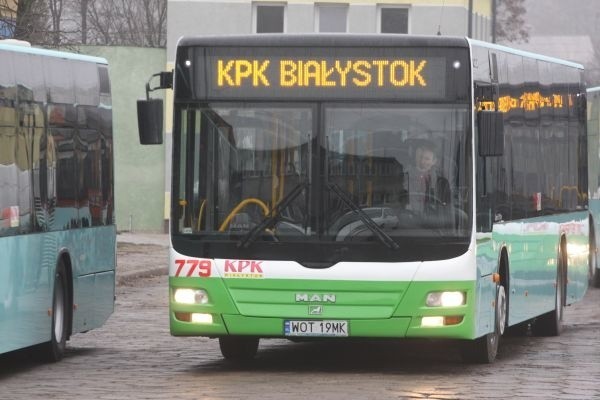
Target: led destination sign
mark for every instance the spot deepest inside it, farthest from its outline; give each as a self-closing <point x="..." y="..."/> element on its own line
<point x="323" y="74"/>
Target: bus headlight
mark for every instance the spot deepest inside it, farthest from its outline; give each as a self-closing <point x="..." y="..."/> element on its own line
<point x="445" y="299"/>
<point x="190" y="296"/>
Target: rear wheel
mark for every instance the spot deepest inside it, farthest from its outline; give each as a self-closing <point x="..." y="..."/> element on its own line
<point x="484" y="349"/>
<point x="54" y="350"/>
<point x="238" y="348"/>
<point x="593" y="261"/>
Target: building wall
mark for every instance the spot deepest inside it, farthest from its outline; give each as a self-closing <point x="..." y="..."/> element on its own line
<point x="139" y="170"/>
<point x="426" y="17"/>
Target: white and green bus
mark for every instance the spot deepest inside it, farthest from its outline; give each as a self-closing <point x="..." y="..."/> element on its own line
<point x="299" y="208"/>
<point x="57" y="231"/>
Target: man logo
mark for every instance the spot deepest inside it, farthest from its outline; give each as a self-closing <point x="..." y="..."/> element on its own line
<point x="315" y="310"/>
<point x="315" y="298"/>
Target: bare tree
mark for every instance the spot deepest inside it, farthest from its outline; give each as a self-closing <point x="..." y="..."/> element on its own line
<point x="510" y="22"/>
<point x="125" y="22"/>
<point x="592" y="68"/>
<point x="156" y="22"/>
<point x="63" y="23"/>
<point x="83" y="11"/>
<point x="56" y="11"/>
<point x="26" y="19"/>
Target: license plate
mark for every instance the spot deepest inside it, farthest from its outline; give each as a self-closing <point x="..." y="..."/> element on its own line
<point x="316" y="328"/>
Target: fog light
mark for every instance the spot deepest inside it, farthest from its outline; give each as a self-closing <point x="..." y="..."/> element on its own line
<point x="435" y="322"/>
<point x="453" y="320"/>
<point x="445" y="299"/>
<point x="201" y="318"/>
<point x="432" y="322"/>
<point x="190" y="296"/>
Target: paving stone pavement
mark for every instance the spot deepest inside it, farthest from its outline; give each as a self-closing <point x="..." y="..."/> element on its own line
<point x="133" y="356"/>
<point x="141" y="255"/>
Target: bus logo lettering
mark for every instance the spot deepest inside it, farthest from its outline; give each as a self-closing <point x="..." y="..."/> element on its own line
<point x="313" y="297"/>
<point x="240" y="265"/>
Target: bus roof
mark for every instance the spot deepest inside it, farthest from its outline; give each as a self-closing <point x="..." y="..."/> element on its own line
<point x="525" y="53"/>
<point x="350" y="40"/>
<point x="16" y="48"/>
<point x="323" y="40"/>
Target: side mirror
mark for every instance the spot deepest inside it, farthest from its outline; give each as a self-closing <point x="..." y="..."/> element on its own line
<point x="150" y="111"/>
<point x="150" y="121"/>
<point x="490" y="129"/>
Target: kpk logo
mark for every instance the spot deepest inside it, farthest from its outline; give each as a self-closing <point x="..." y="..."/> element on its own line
<point x="243" y="269"/>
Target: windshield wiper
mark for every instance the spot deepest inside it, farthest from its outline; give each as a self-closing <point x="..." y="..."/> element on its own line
<point x="275" y="214"/>
<point x="368" y="221"/>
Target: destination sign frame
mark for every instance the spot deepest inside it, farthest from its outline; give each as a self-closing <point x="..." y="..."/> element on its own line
<point x="244" y="73"/>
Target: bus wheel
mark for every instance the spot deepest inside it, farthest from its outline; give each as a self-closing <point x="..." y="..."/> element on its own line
<point x="593" y="260"/>
<point x="238" y="348"/>
<point x="550" y="324"/>
<point x="54" y="350"/>
<point x="483" y="350"/>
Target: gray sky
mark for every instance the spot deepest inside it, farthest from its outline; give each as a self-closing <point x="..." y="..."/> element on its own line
<point x="563" y="17"/>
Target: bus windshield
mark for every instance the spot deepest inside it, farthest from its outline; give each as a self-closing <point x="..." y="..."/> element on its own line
<point x="329" y="172"/>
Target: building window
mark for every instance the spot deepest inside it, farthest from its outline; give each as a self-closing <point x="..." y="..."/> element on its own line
<point x="269" y="18"/>
<point x="7" y="28"/>
<point x="393" y="20"/>
<point x="331" y="17"/>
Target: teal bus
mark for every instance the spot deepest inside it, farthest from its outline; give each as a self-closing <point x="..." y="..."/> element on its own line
<point x="373" y="186"/>
<point x="57" y="232"/>
<point x="593" y="129"/>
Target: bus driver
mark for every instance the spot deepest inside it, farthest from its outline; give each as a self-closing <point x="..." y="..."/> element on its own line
<point x="427" y="187"/>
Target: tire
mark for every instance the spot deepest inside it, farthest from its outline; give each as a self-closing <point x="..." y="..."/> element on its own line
<point x="551" y="323"/>
<point x="593" y="261"/>
<point x="484" y="350"/>
<point x="54" y="350"/>
<point x="238" y="348"/>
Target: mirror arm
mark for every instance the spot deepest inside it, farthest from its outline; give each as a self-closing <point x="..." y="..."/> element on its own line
<point x="165" y="82"/>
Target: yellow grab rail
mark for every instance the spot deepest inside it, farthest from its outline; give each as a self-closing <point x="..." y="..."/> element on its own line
<point x="237" y="208"/>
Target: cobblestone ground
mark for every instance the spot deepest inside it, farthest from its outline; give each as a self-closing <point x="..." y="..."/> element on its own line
<point x="134" y="357"/>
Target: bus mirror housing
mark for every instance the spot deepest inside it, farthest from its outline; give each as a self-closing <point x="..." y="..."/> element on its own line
<point x="490" y="128"/>
<point x="150" y="111"/>
<point x="150" y="121"/>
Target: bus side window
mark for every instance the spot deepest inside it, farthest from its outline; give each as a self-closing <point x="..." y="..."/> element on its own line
<point x="14" y="172"/>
